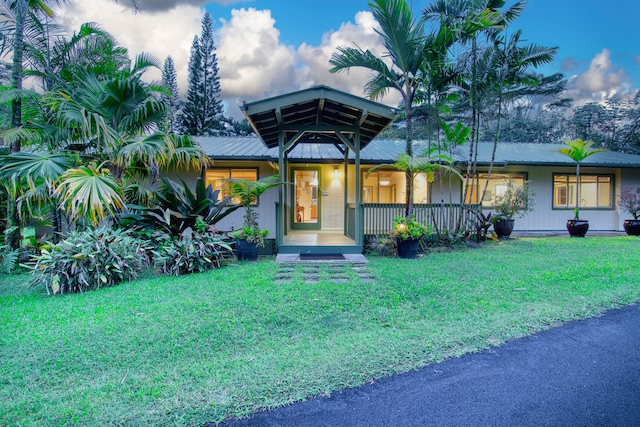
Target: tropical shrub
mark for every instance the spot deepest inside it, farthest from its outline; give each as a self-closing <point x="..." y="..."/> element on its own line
<point x="90" y="259"/>
<point x="8" y="259"/>
<point x="199" y="252"/>
<point x="404" y="229"/>
<point x="252" y="235"/>
<point x="630" y="201"/>
<point x="514" y="201"/>
<point x="175" y="210"/>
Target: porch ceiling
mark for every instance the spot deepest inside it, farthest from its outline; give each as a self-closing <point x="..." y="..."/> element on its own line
<point x="319" y="111"/>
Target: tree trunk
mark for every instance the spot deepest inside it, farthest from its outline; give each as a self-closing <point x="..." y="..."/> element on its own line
<point x="409" y="151"/>
<point x="17" y="71"/>
<point x="470" y="165"/>
<point x="13" y="222"/>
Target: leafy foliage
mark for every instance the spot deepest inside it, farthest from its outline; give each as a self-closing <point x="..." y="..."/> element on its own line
<point x="90" y="259"/>
<point x="515" y="200"/>
<point x="405" y="229"/>
<point x="8" y="257"/>
<point x="195" y="254"/>
<point x="578" y="150"/>
<point x="248" y="192"/>
<point x="630" y="201"/>
<point x="482" y="224"/>
<point x="175" y="210"/>
<point x="252" y="235"/>
<point x="90" y="192"/>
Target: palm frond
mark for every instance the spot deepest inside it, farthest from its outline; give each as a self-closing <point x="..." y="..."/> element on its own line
<point x="89" y="192"/>
<point x="35" y="165"/>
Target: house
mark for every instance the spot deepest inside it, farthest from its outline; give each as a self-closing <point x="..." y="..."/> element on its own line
<point x="323" y="142"/>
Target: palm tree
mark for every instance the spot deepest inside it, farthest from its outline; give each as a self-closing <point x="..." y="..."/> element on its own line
<point x="509" y="73"/>
<point x="461" y="22"/>
<point x="427" y="164"/>
<point x="33" y="177"/>
<point x="102" y="113"/>
<point x="16" y="17"/>
<point x="578" y="150"/>
<point x="403" y="37"/>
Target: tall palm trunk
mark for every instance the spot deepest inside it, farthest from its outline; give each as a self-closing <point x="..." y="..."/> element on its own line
<point x="495" y="146"/>
<point x="473" y="142"/>
<point x="409" y="151"/>
<point x="577" y="188"/>
<point x="17" y="69"/>
<point x="13" y="221"/>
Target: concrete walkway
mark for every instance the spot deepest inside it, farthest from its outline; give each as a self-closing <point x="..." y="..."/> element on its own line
<point x="585" y="373"/>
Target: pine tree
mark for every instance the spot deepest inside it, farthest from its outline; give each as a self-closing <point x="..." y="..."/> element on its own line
<point x="212" y="113"/>
<point x="202" y="114"/>
<point x="191" y="114"/>
<point x="170" y="82"/>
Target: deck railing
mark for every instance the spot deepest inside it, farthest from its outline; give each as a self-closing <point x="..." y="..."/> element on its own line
<point x="378" y="217"/>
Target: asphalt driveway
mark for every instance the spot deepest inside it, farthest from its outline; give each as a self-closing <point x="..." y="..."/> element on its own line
<point x="586" y="373"/>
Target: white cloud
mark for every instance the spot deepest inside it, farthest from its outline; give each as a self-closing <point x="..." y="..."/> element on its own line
<point x="316" y="58"/>
<point x="158" y="33"/>
<point x="253" y="63"/>
<point x="600" y="80"/>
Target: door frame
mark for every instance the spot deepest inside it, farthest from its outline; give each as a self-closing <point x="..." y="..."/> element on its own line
<point x="302" y="225"/>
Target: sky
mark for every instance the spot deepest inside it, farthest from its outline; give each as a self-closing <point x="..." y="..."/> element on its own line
<point x="269" y="47"/>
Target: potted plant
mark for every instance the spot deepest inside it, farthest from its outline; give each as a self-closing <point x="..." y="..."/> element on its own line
<point x="630" y="202"/>
<point x="407" y="234"/>
<point x="578" y="150"/>
<point x="513" y="201"/>
<point x="250" y="236"/>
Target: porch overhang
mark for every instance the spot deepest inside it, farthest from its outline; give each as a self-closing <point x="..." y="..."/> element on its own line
<point x="321" y="114"/>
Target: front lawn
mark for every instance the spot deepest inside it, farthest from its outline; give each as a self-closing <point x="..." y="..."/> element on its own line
<point x="206" y="347"/>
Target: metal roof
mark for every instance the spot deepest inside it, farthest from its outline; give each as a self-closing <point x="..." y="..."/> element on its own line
<point x="320" y="111"/>
<point x="386" y="151"/>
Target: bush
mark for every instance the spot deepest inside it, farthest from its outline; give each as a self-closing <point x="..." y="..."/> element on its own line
<point x="8" y="259"/>
<point x="90" y="259"/>
<point x="197" y="253"/>
<point x="176" y="210"/>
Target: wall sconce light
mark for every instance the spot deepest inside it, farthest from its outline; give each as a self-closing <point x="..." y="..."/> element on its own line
<point x="336" y="173"/>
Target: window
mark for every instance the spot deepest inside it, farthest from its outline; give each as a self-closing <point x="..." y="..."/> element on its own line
<point x="596" y="191"/>
<point x="389" y="187"/>
<point x="216" y="178"/>
<point x="497" y="186"/>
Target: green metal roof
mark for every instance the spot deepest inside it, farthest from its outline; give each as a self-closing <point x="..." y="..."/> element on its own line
<point x="319" y="111"/>
<point x="386" y="151"/>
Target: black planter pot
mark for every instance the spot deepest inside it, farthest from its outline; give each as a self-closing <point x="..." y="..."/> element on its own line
<point x="632" y="227"/>
<point x="246" y="251"/>
<point x="503" y="228"/>
<point x="408" y="248"/>
<point x="577" y="227"/>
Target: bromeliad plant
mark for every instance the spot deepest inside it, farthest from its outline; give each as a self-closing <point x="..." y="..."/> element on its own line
<point x="406" y="229"/>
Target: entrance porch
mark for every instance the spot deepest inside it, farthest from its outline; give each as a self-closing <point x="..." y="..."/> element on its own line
<point x="318" y="242"/>
<point x="316" y="117"/>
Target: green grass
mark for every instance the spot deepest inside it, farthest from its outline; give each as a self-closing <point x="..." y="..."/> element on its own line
<point x="206" y="347"/>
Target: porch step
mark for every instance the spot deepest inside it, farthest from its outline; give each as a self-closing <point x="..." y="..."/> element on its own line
<point x="321" y="258"/>
<point x="312" y="249"/>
